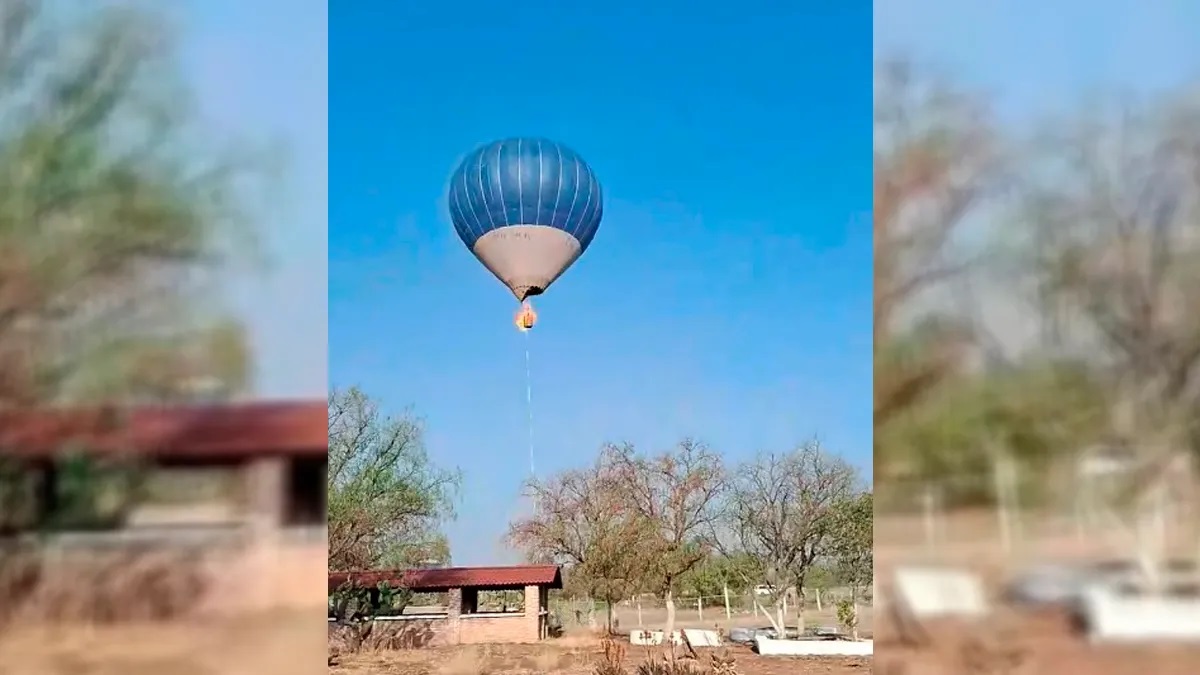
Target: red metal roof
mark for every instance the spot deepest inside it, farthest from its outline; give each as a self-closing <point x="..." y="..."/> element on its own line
<point x="444" y="578"/>
<point x="219" y="431"/>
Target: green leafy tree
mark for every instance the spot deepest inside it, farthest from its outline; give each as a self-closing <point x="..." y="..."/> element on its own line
<point x="851" y="548"/>
<point x="1038" y="413"/>
<point x="117" y="213"/>
<point x="387" y="499"/>
<point x="718" y="572"/>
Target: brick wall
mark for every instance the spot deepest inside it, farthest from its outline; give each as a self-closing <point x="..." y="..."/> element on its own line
<point x="457" y="628"/>
<point x="268" y="575"/>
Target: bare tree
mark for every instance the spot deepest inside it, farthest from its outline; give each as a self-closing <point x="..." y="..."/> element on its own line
<point x="386" y="499"/>
<point x="781" y="510"/>
<point x="581" y="520"/>
<point x="1112" y="209"/>
<point x="677" y="493"/>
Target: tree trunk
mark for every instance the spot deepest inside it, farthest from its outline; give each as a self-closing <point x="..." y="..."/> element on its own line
<point x="670" y="629"/>
<point x="854" y="633"/>
<point x="800" y="607"/>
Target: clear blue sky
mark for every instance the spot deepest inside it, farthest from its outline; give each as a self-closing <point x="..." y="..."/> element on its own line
<point x="1037" y="57"/>
<point x="259" y="71"/>
<point x="727" y="295"/>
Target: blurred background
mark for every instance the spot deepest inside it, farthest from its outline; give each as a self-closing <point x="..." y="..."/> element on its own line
<point x="162" y="336"/>
<point x="1037" y="336"/>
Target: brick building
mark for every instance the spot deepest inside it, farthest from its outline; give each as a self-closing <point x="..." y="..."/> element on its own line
<point x="259" y="464"/>
<point x="516" y="612"/>
<point x="237" y="489"/>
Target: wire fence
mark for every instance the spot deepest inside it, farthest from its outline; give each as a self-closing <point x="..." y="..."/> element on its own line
<point x="734" y="609"/>
<point x="1008" y="513"/>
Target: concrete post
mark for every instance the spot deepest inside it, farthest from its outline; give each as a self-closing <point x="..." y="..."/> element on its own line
<point x="533" y="613"/>
<point x="266" y="502"/>
<point x="266" y="491"/>
<point x="453" y="615"/>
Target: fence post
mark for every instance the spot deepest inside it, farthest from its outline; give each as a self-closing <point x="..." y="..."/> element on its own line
<point x="700" y="607"/>
<point x="725" y="592"/>
<point x="818" y="595"/>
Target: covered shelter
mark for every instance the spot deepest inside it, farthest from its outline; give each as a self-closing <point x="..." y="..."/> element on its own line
<point x="482" y="605"/>
<point x="258" y="463"/>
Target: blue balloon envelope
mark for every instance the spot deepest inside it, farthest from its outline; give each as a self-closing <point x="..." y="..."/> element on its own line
<point x="527" y="208"/>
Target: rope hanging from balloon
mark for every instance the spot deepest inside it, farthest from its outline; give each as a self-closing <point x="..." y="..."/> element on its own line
<point x="529" y="404"/>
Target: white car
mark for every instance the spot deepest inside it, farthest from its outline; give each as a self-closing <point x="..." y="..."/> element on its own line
<point x="764" y="589"/>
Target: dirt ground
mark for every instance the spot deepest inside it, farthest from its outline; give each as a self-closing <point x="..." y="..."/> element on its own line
<point x="292" y="643"/>
<point x="1026" y="645"/>
<point x="264" y="615"/>
<point x="568" y="656"/>
<point x="1009" y="642"/>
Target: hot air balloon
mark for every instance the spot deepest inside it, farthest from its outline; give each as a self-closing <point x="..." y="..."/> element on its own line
<point x="527" y="208"/>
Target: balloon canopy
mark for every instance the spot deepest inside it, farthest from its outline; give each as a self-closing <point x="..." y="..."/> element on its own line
<point x="527" y="208"/>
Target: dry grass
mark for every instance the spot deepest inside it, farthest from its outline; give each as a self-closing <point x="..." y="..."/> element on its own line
<point x="583" y="655"/>
<point x="100" y="587"/>
<point x="477" y="660"/>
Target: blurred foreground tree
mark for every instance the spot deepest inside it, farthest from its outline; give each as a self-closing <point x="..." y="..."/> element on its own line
<point x="1110" y="210"/>
<point x="1114" y="251"/>
<point x="386" y="498"/>
<point x="782" y="510"/>
<point x="1036" y="413"/>
<point x="935" y="159"/>
<point x="117" y="214"/>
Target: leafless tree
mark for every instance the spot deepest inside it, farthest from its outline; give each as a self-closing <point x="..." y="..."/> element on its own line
<point x="781" y="509"/>
<point x="581" y="519"/>
<point x="677" y="493"/>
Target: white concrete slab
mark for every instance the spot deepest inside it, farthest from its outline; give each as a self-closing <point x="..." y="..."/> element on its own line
<point x="1113" y="618"/>
<point x="769" y="647"/>
<point x="702" y="638"/>
<point x="937" y="592"/>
